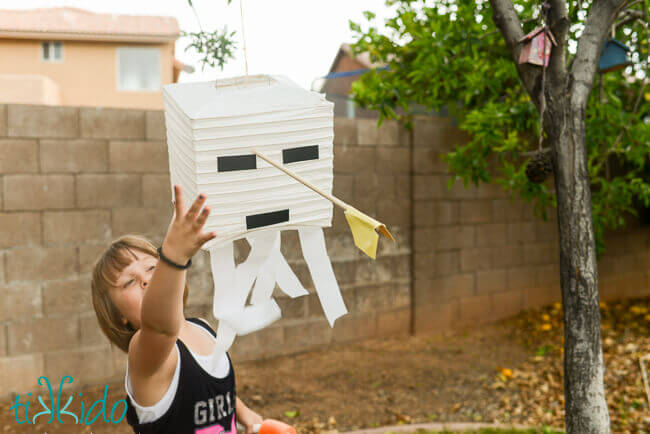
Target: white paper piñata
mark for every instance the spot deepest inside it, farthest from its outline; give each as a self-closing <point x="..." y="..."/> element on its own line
<point x="211" y="131"/>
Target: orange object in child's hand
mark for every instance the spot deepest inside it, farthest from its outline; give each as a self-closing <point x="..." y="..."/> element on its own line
<point x="272" y="426"/>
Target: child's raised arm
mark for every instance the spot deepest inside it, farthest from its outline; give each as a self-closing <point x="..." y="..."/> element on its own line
<point x="161" y="313"/>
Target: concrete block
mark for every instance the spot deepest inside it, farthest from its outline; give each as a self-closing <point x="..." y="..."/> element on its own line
<point x="74" y="156"/>
<point x="521" y="278"/>
<point x="541" y="296"/>
<point x="424" y="266"/>
<point x="490" y="281"/>
<point x="86" y="366"/>
<point x="395" y="322"/>
<point x="505" y="210"/>
<point x="69" y="296"/>
<point x="20" y="301"/>
<point x="367" y="185"/>
<point x="138" y="157"/>
<point x="521" y="232"/>
<point x="292" y="307"/>
<point x="429" y="187"/>
<point x="156" y="191"/>
<point x="508" y="256"/>
<point x="147" y="221"/>
<point x="476" y="211"/>
<point x="118" y="360"/>
<point x="458" y="190"/>
<point x="307" y="335"/>
<point x="355" y="327"/>
<point x="91" y="333"/>
<point x="491" y="235"/>
<point x="76" y="226"/>
<point x="38" y="192"/>
<point x="20" y="229"/>
<point x="3" y="120"/>
<point x="155" y="125"/>
<point x="379" y="270"/>
<point x="3" y="340"/>
<point x="43" y="335"/>
<point x="42" y="121"/>
<point x="446" y="263"/>
<point x="393" y="160"/>
<point x="315" y="309"/>
<point x="423" y="239"/>
<point x="103" y="123"/>
<point x="394" y="212"/>
<point x="444" y="289"/>
<point x="546" y="231"/>
<point x="89" y="254"/>
<point x="345" y="271"/>
<point x="40" y="263"/>
<point x="433" y="213"/>
<point x="436" y="317"/>
<point x="506" y="304"/>
<point x="430" y="132"/>
<point x="108" y="191"/>
<point x="20" y="374"/>
<point x="479" y="258"/>
<point x="354" y="159"/>
<point x="548" y="275"/>
<point x="452" y="237"/>
<point x="427" y="161"/>
<point x="474" y="310"/>
<point x="345" y="131"/>
<point x="267" y="342"/>
<point x="18" y="156"/>
<point x="541" y="253"/>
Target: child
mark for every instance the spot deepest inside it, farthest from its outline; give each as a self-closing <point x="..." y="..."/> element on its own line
<point x="138" y="292"/>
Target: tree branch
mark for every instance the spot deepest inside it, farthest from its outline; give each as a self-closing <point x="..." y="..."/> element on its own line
<point x="559" y="24"/>
<point x="506" y="19"/>
<point x="585" y="64"/>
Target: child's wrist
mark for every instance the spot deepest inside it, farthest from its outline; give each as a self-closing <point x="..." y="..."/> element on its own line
<point x="173" y="254"/>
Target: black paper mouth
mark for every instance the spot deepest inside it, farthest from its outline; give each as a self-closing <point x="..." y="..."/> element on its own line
<point x="267" y="219"/>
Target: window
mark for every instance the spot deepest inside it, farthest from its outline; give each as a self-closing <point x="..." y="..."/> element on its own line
<point x="52" y="51"/>
<point x="138" y="68"/>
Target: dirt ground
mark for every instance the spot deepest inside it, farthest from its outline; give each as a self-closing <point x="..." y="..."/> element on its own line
<point x="386" y="381"/>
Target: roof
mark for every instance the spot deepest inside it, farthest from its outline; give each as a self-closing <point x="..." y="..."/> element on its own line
<point x="363" y="58"/>
<point x="536" y="31"/>
<point x="73" y="23"/>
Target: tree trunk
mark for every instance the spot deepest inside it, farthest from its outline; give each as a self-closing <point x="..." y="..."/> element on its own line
<point x="585" y="405"/>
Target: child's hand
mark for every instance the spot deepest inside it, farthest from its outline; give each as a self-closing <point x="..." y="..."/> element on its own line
<point x="184" y="237"/>
<point x="249" y="419"/>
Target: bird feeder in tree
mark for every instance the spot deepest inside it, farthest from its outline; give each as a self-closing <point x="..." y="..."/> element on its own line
<point x="613" y="56"/>
<point x="537" y="47"/>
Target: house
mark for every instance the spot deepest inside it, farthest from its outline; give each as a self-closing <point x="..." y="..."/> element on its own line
<point x="73" y="57"/>
<point x="337" y="84"/>
<point x="345" y="70"/>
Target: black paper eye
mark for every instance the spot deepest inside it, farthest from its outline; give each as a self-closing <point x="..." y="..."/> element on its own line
<point x="302" y="153"/>
<point x="236" y="162"/>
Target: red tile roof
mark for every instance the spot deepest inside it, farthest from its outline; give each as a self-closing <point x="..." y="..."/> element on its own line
<point x="74" y="23"/>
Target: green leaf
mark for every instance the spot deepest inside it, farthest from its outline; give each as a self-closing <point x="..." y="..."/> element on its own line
<point x="292" y="413"/>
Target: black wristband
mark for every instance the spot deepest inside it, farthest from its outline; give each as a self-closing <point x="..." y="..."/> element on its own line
<point x="172" y="263"/>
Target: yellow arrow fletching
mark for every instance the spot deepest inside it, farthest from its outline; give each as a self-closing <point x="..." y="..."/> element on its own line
<point x="364" y="231"/>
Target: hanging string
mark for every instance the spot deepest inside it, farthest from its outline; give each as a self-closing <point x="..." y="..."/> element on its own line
<point x="243" y="36"/>
<point x="542" y="102"/>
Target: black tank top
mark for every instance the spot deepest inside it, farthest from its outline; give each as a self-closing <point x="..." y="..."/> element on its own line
<point x="203" y="404"/>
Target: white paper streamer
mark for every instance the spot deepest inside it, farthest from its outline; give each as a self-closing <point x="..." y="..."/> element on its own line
<point x="314" y="251"/>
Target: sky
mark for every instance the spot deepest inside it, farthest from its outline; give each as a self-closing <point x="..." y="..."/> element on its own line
<point x="295" y="38"/>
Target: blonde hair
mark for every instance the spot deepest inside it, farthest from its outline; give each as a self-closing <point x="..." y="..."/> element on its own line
<point x="107" y="267"/>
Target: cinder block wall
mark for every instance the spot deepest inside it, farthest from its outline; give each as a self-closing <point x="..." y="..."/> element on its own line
<point x="480" y="257"/>
<point x="73" y="179"/>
